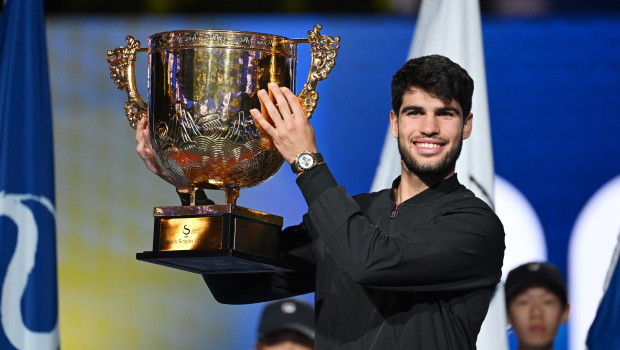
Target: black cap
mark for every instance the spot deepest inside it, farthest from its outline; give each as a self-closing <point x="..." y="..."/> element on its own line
<point x="289" y="314"/>
<point x="535" y="274"/>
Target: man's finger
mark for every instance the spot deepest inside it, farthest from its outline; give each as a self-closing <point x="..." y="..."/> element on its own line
<point x="258" y="117"/>
<point x="272" y="110"/>
<point x="295" y="104"/>
<point x="140" y="130"/>
<point x="283" y="103"/>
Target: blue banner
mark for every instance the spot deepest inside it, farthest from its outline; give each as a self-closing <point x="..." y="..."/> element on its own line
<point x="28" y="285"/>
<point x="605" y="330"/>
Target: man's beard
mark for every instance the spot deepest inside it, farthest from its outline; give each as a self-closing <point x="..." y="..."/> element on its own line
<point x="444" y="167"/>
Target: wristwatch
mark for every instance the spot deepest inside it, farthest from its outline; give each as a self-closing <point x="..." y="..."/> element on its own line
<point x="306" y="161"/>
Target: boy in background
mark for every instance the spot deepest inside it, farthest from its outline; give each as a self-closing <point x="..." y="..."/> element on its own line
<point x="536" y="304"/>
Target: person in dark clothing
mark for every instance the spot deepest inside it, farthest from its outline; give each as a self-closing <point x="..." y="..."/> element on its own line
<point x="409" y="267"/>
<point x="286" y="325"/>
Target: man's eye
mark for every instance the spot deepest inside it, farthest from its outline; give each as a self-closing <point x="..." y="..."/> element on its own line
<point x="522" y="302"/>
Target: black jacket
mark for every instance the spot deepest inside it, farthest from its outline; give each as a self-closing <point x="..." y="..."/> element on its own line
<point x="419" y="276"/>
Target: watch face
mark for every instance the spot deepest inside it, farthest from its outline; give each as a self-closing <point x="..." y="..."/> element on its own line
<point x="305" y="161"/>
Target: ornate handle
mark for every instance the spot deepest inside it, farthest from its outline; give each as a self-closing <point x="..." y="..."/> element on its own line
<point x="324" y="51"/>
<point x="122" y="61"/>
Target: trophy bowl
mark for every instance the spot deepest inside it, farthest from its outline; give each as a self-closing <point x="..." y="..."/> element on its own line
<point x="201" y="87"/>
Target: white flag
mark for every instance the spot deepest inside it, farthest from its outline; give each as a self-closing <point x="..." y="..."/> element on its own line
<point x="452" y="28"/>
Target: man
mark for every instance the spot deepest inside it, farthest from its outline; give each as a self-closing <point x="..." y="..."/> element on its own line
<point x="286" y="325"/>
<point x="536" y="304"/>
<point x="410" y="267"/>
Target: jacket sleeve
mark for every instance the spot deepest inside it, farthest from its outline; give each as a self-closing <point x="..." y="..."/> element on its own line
<point x="460" y="248"/>
<point x="244" y="288"/>
<point x="247" y="288"/>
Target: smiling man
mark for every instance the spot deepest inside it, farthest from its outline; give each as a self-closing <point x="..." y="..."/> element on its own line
<point x="413" y="266"/>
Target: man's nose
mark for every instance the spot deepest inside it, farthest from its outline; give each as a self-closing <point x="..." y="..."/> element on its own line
<point x="536" y="310"/>
<point x="429" y="125"/>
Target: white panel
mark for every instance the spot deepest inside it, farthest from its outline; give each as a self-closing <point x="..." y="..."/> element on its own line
<point x="525" y="239"/>
<point x="591" y="247"/>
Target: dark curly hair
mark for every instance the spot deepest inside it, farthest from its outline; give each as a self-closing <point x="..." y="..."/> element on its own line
<point x="438" y="76"/>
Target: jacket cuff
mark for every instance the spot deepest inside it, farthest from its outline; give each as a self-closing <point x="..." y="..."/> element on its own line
<point x="315" y="181"/>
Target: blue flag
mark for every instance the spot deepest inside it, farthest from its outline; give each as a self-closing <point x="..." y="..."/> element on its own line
<point x="28" y="286"/>
<point x="605" y="330"/>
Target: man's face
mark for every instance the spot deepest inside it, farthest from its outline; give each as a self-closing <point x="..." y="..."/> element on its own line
<point x="430" y="133"/>
<point x="536" y="315"/>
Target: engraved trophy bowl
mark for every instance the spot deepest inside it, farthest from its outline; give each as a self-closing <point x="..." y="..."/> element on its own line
<point x="202" y="85"/>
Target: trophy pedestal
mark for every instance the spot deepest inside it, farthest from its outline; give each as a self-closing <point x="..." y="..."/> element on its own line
<point x="213" y="239"/>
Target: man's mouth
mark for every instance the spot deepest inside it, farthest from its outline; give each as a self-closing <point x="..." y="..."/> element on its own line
<point x="428" y="146"/>
<point x="537" y="328"/>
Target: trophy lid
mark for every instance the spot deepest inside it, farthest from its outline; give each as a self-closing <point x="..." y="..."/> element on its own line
<point x="215" y="38"/>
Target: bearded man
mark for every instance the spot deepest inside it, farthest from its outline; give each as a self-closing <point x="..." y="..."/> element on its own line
<point x="413" y="266"/>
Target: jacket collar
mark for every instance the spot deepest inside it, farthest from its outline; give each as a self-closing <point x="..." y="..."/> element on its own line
<point x="430" y="194"/>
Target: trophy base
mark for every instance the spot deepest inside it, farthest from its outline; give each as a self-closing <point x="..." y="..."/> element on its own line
<point x="215" y="239"/>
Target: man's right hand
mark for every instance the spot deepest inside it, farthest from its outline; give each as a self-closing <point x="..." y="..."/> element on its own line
<point x="145" y="151"/>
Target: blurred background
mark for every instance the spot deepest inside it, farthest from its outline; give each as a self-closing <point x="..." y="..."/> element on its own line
<point x="401" y="7"/>
<point x="553" y="76"/>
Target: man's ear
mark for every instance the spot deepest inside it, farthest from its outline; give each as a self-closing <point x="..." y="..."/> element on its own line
<point x="467" y="125"/>
<point x="394" y="123"/>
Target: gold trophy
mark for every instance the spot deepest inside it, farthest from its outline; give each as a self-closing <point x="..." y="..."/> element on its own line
<point x="201" y="87"/>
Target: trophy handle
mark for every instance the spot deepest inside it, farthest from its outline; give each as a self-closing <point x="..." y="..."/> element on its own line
<point x="324" y="51"/>
<point x="122" y="70"/>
